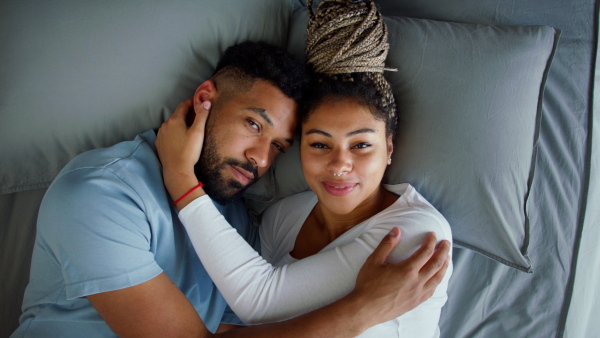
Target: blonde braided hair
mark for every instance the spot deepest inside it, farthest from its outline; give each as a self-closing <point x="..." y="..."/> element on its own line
<point x="346" y="37"/>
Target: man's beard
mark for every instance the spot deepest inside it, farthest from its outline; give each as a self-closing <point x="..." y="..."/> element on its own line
<point x="209" y="171"/>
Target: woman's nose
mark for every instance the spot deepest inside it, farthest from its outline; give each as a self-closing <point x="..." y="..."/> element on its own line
<point x="340" y="162"/>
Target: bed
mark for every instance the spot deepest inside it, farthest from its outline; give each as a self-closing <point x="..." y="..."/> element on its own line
<point x="497" y="130"/>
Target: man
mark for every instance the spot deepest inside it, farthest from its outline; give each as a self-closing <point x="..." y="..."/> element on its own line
<point x="111" y="256"/>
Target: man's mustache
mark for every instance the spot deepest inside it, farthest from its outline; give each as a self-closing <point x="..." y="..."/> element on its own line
<point x="246" y="166"/>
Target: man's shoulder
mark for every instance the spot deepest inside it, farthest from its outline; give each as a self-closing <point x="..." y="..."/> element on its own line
<point x="140" y="149"/>
<point x="127" y="171"/>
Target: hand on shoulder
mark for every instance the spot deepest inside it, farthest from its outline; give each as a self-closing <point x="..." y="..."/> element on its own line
<point x="390" y="290"/>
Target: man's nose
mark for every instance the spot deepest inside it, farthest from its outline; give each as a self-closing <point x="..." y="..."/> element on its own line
<point x="258" y="153"/>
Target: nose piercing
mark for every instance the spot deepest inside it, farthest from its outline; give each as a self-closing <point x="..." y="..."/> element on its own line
<point x="343" y="172"/>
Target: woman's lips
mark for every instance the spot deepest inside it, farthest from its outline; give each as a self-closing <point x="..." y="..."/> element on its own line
<point x="339" y="188"/>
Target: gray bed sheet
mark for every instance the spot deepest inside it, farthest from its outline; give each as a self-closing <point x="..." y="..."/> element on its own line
<point x="486" y="299"/>
<point x="18" y="215"/>
<point x="490" y="300"/>
<point x="582" y="319"/>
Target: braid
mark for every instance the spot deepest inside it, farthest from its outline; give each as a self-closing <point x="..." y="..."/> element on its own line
<point x="346" y="37"/>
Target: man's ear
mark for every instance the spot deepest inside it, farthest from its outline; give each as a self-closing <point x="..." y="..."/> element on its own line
<point x="207" y="91"/>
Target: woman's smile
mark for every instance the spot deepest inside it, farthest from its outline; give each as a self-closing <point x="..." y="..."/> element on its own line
<point x="344" y="152"/>
<point x="339" y="188"/>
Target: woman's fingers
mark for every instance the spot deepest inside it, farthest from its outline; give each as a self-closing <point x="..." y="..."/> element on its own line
<point x="200" y="119"/>
<point x="177" y="118"/>
<point x="178" y="145"/>
<point x="182" y="109"/>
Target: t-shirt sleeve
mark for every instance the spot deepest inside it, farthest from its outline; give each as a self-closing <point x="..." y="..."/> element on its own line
<point x="259" y="292"/>
<point x="95" y="228"/>
<point x="229" y="317"/>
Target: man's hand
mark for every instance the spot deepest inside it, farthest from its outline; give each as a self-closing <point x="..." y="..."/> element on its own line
<point x="179" y="147"/>
<point x="390" y="290"/>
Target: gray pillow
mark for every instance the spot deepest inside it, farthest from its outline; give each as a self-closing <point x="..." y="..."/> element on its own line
<point x="469" y="99"/>
<point x="77" y="75"/>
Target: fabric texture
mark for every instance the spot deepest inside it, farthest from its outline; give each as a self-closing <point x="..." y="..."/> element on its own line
<point x="106" y="223"/>
<point x="259" y="292"/>
<point x="469" y="99"/>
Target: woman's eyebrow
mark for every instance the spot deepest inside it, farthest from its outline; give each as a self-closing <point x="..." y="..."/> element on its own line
<point x="317" y="131"/>
<point x="352" y="133"/>
<point x="360" y="131"/>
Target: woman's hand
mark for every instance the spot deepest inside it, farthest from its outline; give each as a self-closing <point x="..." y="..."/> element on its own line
<point x="179" y="148"/>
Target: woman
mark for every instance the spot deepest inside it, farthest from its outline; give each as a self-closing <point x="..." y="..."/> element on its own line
<point x="314" y="243"/>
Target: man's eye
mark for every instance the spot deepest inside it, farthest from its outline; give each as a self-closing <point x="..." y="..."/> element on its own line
<point x="279" y="147"/>
<point x="253" y="124"/>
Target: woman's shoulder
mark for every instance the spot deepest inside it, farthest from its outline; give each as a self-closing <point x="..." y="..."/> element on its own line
<point x="414" y="215"/>
<point x="288" y="208"/>
<point x="293" y="202"/>
<point x="297" y="198"/>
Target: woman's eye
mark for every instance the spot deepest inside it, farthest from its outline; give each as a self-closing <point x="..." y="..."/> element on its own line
<point x="362" y="145"/>
<point x="318" y="145"/>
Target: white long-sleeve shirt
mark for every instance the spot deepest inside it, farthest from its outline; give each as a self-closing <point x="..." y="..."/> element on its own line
<point x="259" y="291"/>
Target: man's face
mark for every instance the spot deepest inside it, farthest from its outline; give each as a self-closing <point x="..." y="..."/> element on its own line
<point x="243" y="136"/>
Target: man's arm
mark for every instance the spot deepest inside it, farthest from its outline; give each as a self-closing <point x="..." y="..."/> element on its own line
<point x="153" y="308"/>
<point x="383" y="291"/>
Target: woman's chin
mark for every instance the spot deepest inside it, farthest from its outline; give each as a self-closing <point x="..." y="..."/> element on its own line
<point x="338" y="205"/>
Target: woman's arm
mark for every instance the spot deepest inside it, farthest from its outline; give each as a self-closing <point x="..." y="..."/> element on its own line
<point x="259" y="292"/>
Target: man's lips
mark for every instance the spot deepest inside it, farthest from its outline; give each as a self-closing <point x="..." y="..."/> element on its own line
<point x="242" y="175"/>
<point x="339" y="188"/>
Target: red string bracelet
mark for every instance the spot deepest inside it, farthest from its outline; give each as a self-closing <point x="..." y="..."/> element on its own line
<point x="200" y="185"/>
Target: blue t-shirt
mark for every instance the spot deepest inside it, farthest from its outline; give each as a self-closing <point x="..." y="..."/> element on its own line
<point x="107" y="223"/>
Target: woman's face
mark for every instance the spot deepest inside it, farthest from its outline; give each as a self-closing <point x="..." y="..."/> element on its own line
<point x="344" y="152"/>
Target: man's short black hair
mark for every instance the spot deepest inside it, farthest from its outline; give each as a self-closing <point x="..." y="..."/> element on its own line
<point x="260" y="60"/>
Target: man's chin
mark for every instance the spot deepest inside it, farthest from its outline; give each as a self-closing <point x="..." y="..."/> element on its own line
<point x="224" y="199"/>
<point x="225" y="196"/>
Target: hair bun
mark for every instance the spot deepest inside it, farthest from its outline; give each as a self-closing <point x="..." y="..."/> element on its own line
<point x="346" y="36"/>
